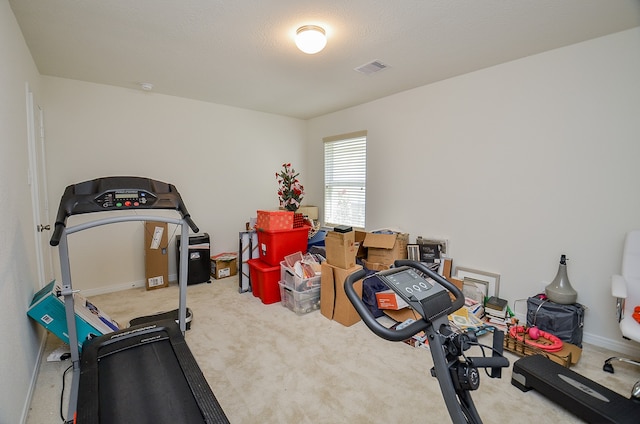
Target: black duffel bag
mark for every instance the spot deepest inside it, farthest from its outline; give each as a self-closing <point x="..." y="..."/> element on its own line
<point x="563" y="321"/>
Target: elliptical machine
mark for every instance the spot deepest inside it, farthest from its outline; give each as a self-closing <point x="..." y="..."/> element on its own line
<point x="457" y="378"/>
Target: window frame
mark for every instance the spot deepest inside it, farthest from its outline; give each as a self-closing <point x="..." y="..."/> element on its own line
<point x="356" y="182"/>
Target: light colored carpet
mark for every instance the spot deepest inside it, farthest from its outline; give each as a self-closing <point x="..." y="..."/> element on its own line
<point x="265" y="363"/>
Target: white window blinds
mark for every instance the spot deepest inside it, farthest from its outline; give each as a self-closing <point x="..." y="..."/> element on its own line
<point x="345" y="179"/>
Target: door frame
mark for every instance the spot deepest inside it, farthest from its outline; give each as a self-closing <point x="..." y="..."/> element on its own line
<point x="38" y="184"/>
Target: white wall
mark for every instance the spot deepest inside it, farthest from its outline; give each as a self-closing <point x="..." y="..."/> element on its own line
<point x="515" y="165"/>
<point x="18" y="272"/>
<point x="221" y="159"/>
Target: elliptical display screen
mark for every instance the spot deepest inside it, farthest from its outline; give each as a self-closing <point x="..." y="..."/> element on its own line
<point x="408" y="283"/>
<point x="428" y="299"/>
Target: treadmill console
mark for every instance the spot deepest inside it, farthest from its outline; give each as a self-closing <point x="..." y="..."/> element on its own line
<point x="427" y="298"/>
<point x="125" y="198"/>
<point x="115" y="194"/>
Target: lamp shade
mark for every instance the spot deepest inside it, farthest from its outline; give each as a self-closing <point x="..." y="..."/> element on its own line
<point x="311" y="39"/>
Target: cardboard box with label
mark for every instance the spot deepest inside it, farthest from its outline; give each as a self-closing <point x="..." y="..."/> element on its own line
<point x="340" y="249"/>
<point x="48" y="309"/>
<point x="224" y="265"/>
<point x="334" y="303"/>
<point x="156" y="255"/>
<point x="386" y="248"/>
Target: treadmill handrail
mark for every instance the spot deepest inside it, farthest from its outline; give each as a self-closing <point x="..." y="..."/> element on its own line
<point x="125" y="218"/>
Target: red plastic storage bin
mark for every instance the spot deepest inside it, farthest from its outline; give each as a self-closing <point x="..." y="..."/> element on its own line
<point x="275" y="245"/>
<point x="264" y="281"/>
<point x="254" y="275"/>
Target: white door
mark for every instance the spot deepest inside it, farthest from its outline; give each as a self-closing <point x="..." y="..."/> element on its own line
<point x="38" y="182"/>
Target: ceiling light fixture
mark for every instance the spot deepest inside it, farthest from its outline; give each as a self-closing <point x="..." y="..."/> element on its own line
<point x="311" y="39"/>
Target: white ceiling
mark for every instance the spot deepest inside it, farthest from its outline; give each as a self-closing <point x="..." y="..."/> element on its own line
<point x="241" y="52"/>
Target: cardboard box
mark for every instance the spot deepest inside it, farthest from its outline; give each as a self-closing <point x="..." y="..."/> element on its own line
<point x="224" y="265"/>
<point x="362" y="251"/>
<point x="386" y="248"/>
<point x="309" y="211"/>
<point x="274" y="220"/>
<point x="334" y="303"/>
<point x="156" y="255"/>
<point x="340" y="249"/>
<point x="402" y="315"/>
<point x="447" y="264"/>
<point x="48" y="310"/>
<point x="374" y="266"/>
<point x="388" y="299"/>
<point x="569" y="354"/>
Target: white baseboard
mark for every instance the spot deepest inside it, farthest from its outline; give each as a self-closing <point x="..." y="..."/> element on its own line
<point x="119" y="287"/>
<point x="620" y="346"/>
<point x="34" y="377"/>
<point x="112" y="288"/>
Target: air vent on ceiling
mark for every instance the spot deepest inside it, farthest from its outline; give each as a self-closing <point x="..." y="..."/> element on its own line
<point x="371" y="67"/>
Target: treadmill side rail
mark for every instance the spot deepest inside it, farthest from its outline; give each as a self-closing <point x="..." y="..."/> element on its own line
<point x="584" y="398"/>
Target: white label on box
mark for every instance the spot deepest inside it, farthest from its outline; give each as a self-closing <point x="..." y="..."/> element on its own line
<point x="156" y="281"/>
<point x="224" y="272"/>
<point x="46" y="319"/>
<point x="157" y="237"/>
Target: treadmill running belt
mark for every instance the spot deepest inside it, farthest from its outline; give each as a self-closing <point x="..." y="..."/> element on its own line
<point x="144" y="374"/>
<point x="145" y="385"/>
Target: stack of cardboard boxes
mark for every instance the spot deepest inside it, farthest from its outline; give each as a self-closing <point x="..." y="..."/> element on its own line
<point x="341" y="250"/>
<point x="378" y="251"/>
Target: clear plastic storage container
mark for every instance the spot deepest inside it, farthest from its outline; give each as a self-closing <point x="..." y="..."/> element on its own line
<point x="292" y="281"/>
<point x="300" y="302"/>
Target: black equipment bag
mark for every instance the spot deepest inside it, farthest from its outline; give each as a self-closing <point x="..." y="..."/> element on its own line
<point x="563" y="321"/>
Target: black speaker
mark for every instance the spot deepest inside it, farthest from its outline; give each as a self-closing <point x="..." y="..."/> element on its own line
<point x="199" y="263"/>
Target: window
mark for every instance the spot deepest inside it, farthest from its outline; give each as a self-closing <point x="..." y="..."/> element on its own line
<point x="345" y="179"/>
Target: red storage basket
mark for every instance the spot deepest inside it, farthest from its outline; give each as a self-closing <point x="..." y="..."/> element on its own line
<point x="274" y="220"/>
<point x="275" y="245"/>
<point x="265" y="280"/>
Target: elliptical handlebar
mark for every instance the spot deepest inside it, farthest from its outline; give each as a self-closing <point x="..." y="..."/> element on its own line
<point x="371" y="322"/>
<point x="413" y="328"/>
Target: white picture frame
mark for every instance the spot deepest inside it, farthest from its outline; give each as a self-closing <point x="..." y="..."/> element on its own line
<point x="474" y="289"/>
<point x="492" y="279"/>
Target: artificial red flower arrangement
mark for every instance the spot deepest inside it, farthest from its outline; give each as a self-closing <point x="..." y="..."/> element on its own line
<point x="290" y="191"/>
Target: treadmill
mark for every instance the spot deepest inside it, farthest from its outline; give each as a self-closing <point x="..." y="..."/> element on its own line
<point x="145" y="373"/>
